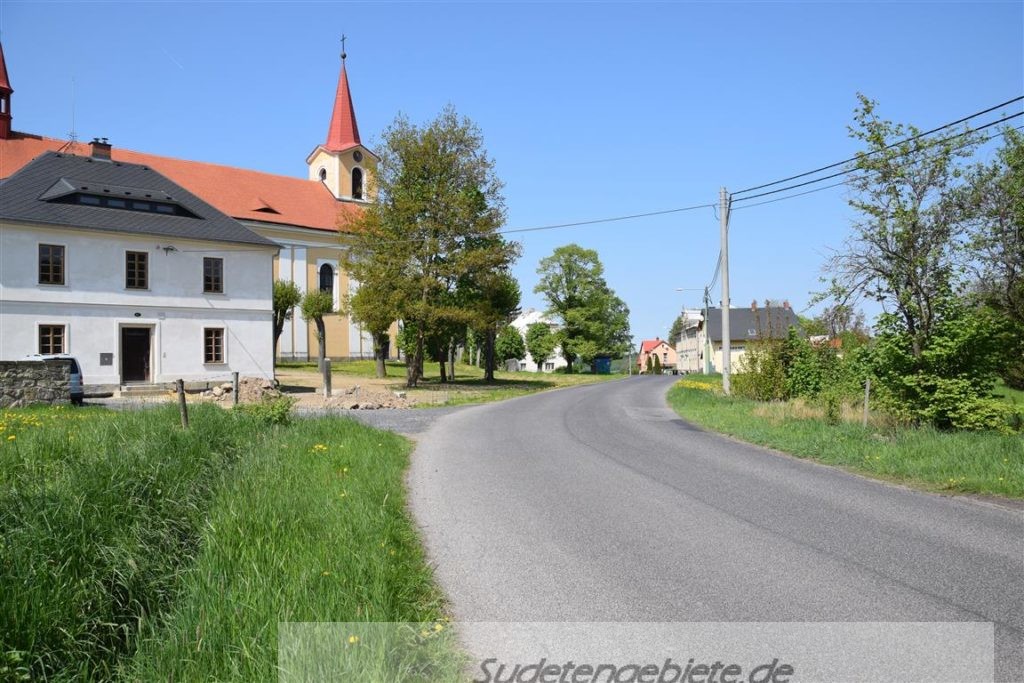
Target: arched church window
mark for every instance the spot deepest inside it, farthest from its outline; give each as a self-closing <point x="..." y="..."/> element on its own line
<point x="357" y="183"/>
<point x="327" y="278"/>
<point x="323" y="175"/>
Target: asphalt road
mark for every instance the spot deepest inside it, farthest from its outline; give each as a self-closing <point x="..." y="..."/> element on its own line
<point x="598" y="503"/>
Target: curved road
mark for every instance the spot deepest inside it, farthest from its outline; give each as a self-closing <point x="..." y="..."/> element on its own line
<point x="599" y="504"/>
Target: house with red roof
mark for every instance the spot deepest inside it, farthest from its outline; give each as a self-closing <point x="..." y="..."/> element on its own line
<point x="650" y="348"/>
<point x="301" y="216"/>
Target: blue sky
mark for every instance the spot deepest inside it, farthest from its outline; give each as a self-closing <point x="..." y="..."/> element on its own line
<point x="589" y="109"/>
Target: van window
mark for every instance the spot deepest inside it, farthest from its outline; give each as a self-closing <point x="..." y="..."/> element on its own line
<point x="74" y="367"/>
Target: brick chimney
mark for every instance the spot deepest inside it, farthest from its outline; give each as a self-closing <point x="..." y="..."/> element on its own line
<point x="100" y="149"/>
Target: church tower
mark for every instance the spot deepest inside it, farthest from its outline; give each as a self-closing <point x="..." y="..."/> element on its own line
<point x="342" y="163"/>
<point x="5" y="98"/>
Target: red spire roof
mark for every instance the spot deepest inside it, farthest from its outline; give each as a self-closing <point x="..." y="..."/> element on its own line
<point x="5" y="83"/>
<point x="343" y="132"/>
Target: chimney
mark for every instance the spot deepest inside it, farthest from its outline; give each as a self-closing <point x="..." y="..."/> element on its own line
<point x="753" y="305"/>
<point x="785" y="304"/>
<point x="100" y="149"/>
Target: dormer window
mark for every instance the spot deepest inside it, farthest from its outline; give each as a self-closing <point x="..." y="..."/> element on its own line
<point x="357" y="183"/>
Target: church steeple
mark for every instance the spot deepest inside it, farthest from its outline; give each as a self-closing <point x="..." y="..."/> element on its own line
<point x="5" y="98"/>
<point x="343" y="131"/>
<point x="342" y="163"/>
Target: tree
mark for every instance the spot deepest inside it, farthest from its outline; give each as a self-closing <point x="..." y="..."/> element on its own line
<point x="373" y="305"/>
<point x="657" y="365"/>
<point x="492" y="297"/>
<point x="649" y="366"/>
<point x="315" y="305"/>
<point x="432" y="230"/>
<point x="594" y="321"/>
<point x="676" y="333"/>
<point x="902" y="250"/>
<point x="993" y="205"/>
<point x="541" y="343"/>
<point x="286" y="297"/>
<point x="510" y="344"/>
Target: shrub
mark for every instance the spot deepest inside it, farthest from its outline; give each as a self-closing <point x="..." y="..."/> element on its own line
<point x="269" y="411"/>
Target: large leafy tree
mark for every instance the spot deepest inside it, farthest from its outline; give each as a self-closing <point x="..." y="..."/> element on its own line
<point x="901" y="252"/>
<point x="374" y="305"/>
<point x="541" y="343"/>
<point x="286" y="297"/>
<point x="510" y="344"/>
<point x="432" y="229"/>
<point x="594" y="321"/>
<point x="676" y="332"/>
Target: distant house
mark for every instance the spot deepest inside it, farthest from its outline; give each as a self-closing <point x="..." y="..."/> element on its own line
<point x="700" y="347"/>
<point x="650" y="348"/>
<point x="522" y="323"/>
<point x="140" y="279"/>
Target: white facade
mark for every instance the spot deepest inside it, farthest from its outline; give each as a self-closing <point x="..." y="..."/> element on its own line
<point x="521" y="323"/>
<point x="95" y="307"/>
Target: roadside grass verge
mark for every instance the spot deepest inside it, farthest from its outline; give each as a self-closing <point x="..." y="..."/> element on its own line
<point x="132" y="548"/>
<point x="962" y="462"/>
<point x="313" y="529"/>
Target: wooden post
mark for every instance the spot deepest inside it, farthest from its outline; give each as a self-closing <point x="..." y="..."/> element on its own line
<point x="234" y="388"/>
<point x="181" y="403"/>
<point x="867" y="396"/>
<point x="327" y="377"/>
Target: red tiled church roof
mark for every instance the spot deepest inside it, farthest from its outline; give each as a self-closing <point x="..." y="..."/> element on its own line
<point x="343" y="132"/>
<point x="240" y="193"/>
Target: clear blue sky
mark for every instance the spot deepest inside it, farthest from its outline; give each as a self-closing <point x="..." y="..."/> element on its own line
<point x="590" y="109"/>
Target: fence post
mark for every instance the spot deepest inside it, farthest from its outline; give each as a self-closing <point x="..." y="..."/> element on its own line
<point x="182" y="407"/>
<point x="234" y="388"/>
<point x="867" y="397"/>
<point x="327" y="377"/>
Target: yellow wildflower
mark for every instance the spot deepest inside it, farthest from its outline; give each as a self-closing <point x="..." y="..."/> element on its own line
<point x="353" y="639"/>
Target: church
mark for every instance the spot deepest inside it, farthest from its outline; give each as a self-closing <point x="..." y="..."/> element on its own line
<point x="299" y="215"/>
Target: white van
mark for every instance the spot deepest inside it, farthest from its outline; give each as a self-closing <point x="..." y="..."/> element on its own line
<point x="77" y="384"/>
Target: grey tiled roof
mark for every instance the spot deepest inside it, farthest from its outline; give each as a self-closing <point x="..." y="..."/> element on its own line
<point x="29" y="196"/>
<point x="747" y="324"/>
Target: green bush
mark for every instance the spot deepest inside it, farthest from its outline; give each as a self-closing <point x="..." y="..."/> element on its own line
<point x="269" y="411"/>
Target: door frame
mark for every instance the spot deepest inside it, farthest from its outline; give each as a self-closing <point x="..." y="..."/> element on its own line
<point x="120" y="351"/>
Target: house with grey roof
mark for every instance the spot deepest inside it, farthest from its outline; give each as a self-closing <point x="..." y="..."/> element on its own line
<point x="140" y="279"/>
<point x="700" y="346"/>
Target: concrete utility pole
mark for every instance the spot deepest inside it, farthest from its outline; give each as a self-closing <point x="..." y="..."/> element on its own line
<point x="723" y="210"/>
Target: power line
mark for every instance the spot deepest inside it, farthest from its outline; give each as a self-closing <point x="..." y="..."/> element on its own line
<point x="607" y="220"/>
<point x="848" y="171"/>
<point x="899" y="142"/>
<point x="844" y="182"/>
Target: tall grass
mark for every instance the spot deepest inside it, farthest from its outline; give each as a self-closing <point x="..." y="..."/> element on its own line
<point x="964" y="462"/>
<point x="99" y="515"/>
<point x="130" y="548"/>
<point x="312" y="530"/>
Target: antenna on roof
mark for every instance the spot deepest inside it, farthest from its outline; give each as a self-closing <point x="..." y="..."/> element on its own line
<point x="72" y="134"/>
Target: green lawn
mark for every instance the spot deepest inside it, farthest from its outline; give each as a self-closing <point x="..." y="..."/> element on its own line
<point x="467" y="387"/>
<point x="962" y="462"/>
<point x="130" y="548"/>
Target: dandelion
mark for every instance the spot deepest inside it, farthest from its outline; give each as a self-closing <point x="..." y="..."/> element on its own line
<point x="353" y="639"/>
<point x="325" y="573"/>
<point x="12" y="437"/>
<point x="438" y="627"/>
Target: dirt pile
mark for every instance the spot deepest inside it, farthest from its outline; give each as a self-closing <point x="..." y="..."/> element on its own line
<point x="250" y="390"/>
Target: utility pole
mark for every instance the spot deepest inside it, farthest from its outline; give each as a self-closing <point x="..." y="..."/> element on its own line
<point x="723" y="210"/>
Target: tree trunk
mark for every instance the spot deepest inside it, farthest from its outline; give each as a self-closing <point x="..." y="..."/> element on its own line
<point x="444" y="373"/>
<point x="325" y="367"/>
<point x="451" y="358"/>
<point x="489" y="354"/>
<point x="379" y="351"/>
<point x="414" y="368"/>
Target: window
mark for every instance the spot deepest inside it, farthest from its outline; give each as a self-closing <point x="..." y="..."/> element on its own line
<point x="323" y="175"/>
<point x="169" y="208"/>
<point x="357" y="183"/>
<point x="51" y="264"/>
<point x="549" y="366"/>
<point x="664" y="356"/>
<point x="51" y="339"/>
<point x="327" y="278"/>
<point x="213" y="275"/>
<point x="136" y="271"/>
<point x="213" y="345"/>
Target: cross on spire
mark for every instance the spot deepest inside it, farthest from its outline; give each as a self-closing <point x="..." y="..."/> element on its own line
<point x="343" y="39"/>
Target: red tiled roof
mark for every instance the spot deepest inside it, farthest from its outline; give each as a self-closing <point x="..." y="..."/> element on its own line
<point x="651" y="344"/>
<point x="238" y="192"/>
<point x="343" y="132"/>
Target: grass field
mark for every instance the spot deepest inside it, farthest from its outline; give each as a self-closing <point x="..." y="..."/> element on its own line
<point x="962" y="462"/>
<point x="130" y="548"/>
<point x="468" y="386"/>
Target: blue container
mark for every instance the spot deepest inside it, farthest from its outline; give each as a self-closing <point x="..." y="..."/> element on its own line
<point x="603" y="365"/>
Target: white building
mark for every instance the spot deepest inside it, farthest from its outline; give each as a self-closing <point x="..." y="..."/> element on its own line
<point x="138" y="278"/>
<point x="700" y="346"/>
<point x="529" y="317"/>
